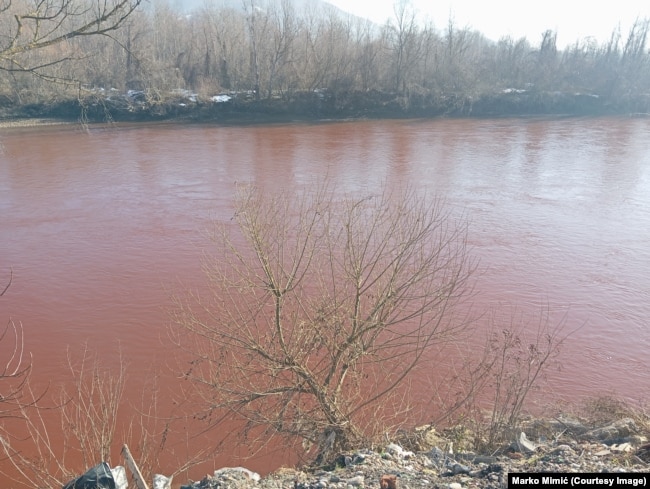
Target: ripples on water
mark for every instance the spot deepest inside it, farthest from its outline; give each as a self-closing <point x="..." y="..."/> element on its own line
<point x="99" y="226"/>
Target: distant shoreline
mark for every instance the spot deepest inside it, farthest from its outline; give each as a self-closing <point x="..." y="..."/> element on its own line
<point x="320" y="106"/>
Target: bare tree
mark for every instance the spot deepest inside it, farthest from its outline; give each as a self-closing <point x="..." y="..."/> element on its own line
<point x="512" y="60"/>
<point x="405" y="43"/>
<point x="257" y="22"/>
<point x="367" y="49"/>
<point x="320" y="309"/>
<point x="89" y="413"/>
<point x="547" y="58"/>
<point x="42" y="25"/>
<point x="327" y="57"/>
<point x="284" y="30"/>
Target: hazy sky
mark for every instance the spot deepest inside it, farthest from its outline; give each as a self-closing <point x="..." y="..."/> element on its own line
<point x="572" y="19"/>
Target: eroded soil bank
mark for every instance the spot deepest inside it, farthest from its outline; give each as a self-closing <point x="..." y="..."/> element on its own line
<point x="322" y="105"/>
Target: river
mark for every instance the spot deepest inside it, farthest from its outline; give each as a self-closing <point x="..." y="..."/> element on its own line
<point x="101" y="226"/>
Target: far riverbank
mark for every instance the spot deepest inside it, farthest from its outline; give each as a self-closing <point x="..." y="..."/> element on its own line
<point x="245" y="108"/>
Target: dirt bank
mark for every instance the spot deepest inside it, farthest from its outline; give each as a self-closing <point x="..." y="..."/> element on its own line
<point x="244" y="108"/>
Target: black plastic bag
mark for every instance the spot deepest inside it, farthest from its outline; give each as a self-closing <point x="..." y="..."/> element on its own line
<point x="99" y="477"/>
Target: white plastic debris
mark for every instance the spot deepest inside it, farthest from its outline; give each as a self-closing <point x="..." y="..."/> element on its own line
<point x="398" y="451"/>
<point x="119" y="475"/>
<point x="254" y="476"/>
<point x="162" y="482"/>
<point x="524" y="444"/>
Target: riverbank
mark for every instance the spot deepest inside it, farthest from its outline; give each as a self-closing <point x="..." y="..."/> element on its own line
<point x="318" y="105"/>
<point x="425" y="458"/>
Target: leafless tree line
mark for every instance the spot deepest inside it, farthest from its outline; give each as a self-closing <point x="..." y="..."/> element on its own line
<point x="273" y="49"/>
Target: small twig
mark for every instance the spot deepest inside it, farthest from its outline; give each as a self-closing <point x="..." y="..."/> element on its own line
<point x="11" y="276"/>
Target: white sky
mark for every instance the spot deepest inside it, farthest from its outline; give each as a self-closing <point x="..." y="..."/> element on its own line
<point x="572" y="19"/>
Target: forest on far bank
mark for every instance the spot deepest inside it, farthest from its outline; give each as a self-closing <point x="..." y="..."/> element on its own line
<point x="281" y="57"/>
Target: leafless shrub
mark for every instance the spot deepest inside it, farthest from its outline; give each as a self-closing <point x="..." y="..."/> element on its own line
<point x="320" y="309"/>
<point x="43" y="464"/>
<point x="88" y="416"/>
<point x="604" y="408"/>
<point x="150" y="430"/>
<point x="17" y="396"/>
<point x="87" y="410"/>
<point x="599" y="410"/>
<point x="493" y="388"/>
<point x="518" y="357"/>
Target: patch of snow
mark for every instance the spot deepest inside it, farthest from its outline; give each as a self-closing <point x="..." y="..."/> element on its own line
<point x="221" y="98"/>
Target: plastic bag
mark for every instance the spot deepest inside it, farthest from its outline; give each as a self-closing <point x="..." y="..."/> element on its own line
<point x="162" y="482"/>
<point x="119" y="474"/>
<point x="99" y="477"/>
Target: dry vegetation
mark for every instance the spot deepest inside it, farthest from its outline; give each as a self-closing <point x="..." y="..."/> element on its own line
<point x="89" y="413"/>
<point x="319" y="309"/>
<point x="322" y="310"/>
<point x="92" y="417"/>
<point x="275" y="51"/>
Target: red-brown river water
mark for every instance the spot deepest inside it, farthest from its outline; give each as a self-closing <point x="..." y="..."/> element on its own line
<point x="100" y="227"/>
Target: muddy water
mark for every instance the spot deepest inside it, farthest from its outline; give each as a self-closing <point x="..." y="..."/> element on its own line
<point x="100" y="227"/>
